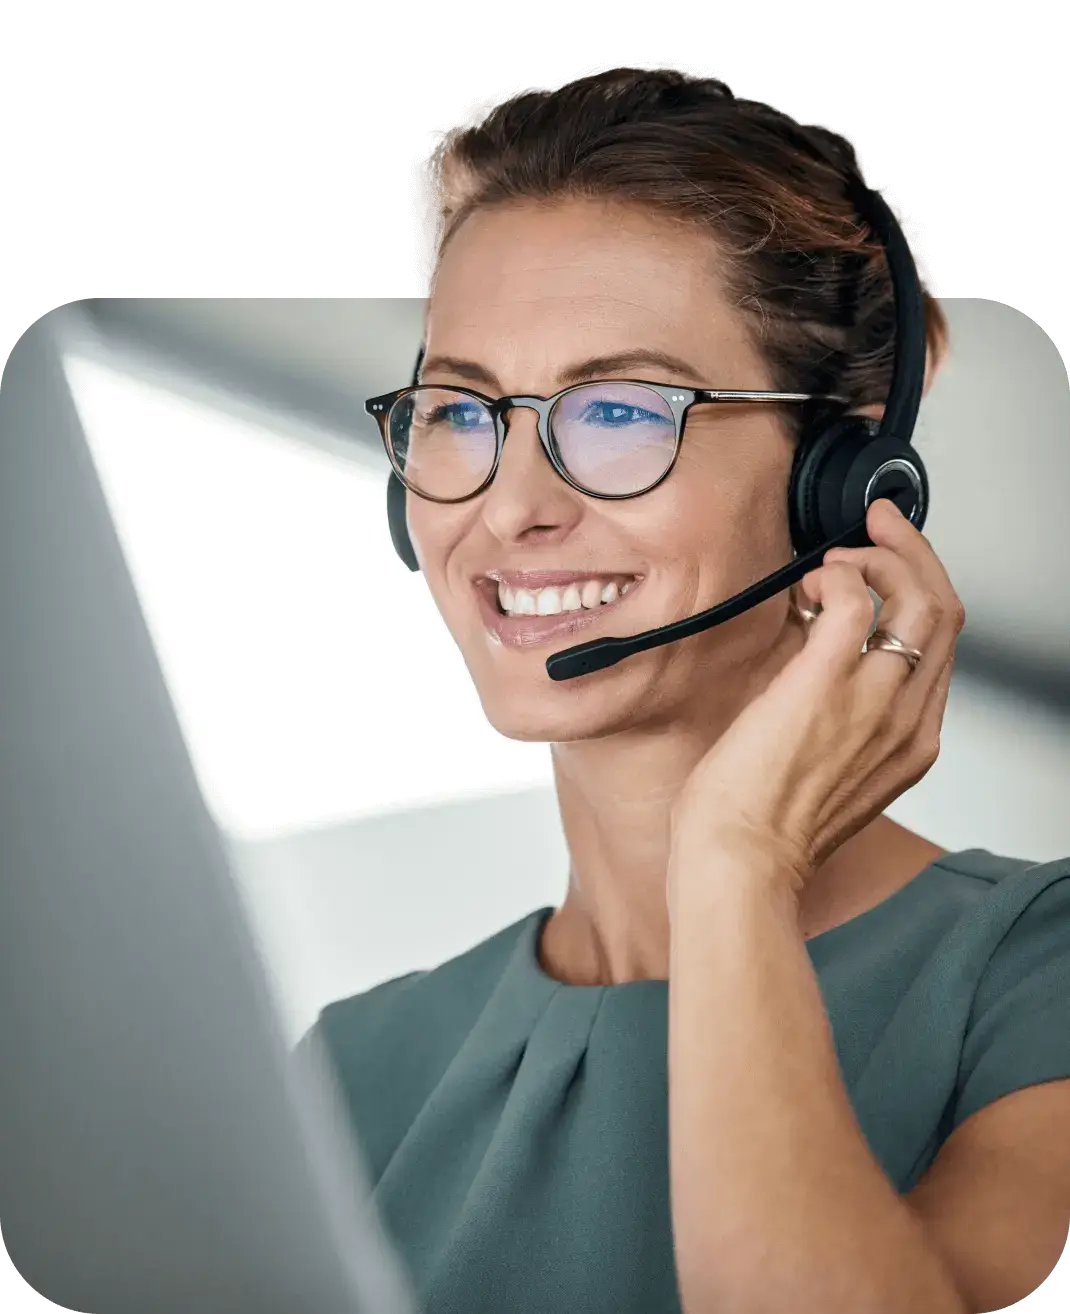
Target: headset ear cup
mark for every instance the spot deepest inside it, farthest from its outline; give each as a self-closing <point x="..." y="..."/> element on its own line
<point x="395" y="516"/>
<point x="832" y="471"/>
<point x="887" y="468"/>
<point x="807" y="507"/>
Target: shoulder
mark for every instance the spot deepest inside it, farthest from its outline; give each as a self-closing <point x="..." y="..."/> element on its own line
<point x="1009" y="931"/>
<point x="1034" y="901"/>
<point x="999" y="901"/>
<point x="986" y="873"/>
<point x="1018" y="1027"/>
<point x="937" y="934"/>
<point x="406" y="1029"/>
<point x="390" y="1046"/>
<point x="1024" y="921"/>
<point x="442" y="998"/>
<point x="1000" y="1169"/>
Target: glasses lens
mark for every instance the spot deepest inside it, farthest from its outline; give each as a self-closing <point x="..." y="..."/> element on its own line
<point x="442" y="440"/>
<point x="614" y="438"/>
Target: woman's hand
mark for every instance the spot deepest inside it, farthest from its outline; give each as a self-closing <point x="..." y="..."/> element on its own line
<point x="837" y="734"/>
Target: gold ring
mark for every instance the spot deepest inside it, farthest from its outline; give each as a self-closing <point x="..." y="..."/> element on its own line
<point x="883" y="641"/>
<point x="804" y="612"/>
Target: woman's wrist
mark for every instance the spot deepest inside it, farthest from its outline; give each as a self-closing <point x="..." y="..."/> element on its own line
<point x="726" y="865"/>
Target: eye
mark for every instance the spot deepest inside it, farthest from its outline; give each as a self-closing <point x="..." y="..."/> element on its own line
<point x="459" y="415"/>
<point x="618" y="414"/>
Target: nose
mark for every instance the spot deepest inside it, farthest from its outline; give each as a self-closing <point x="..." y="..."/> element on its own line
<point x="527" y="500"/>
<point x="523" y="459"/>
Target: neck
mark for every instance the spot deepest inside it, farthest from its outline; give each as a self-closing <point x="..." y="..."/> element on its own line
<point x="616" y="796"/>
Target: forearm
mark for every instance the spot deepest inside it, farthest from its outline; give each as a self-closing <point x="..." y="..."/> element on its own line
<point x="778" y="1202"/>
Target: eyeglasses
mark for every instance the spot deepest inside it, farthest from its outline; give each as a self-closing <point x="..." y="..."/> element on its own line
<point x="614" y="438"/>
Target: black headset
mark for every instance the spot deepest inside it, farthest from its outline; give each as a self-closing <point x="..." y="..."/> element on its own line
<point x="842" y="464"/>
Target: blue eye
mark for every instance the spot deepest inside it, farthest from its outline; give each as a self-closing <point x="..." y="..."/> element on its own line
<point x="459" y="415"/>
<point x="456" y="417"/>
<point x="618" y="415"/>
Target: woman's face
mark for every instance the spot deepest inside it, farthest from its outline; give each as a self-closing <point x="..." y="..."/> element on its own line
<point x="524" y="295"/>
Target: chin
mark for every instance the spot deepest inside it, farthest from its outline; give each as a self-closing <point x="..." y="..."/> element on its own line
<point x="536" y="709"/>
<point x="539" y="725"/>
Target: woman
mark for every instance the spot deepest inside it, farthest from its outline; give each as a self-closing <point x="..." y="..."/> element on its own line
<point x="774" y="1051"/>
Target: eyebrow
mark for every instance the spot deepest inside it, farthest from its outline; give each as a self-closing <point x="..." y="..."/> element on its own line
<point x="593" y="367"/>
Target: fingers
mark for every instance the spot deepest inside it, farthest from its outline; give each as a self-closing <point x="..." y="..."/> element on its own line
<point x="919" y="607"/>
<point x="918" y="602"/>
<point x="838" y="592"/>
<point x="909" y="610"/>
<point x="889" y="529"/>
<point x="923" y="703"/>
<point x="921" y="716"/>
<point x="876" y="712"/>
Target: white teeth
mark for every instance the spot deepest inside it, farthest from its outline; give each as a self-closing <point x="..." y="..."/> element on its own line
<point x="578" y="596"/>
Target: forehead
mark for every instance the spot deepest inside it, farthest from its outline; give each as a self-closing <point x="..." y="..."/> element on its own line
<point x="527" y="288"/>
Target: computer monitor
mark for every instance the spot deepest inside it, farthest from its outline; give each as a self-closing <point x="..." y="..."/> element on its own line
<point x="160" y="1148"/>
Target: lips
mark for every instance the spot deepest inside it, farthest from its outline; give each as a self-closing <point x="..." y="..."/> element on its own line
<point x="531" y="631"/>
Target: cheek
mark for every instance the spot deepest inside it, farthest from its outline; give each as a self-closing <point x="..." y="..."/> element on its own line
<point x="732" y="490"/>
<point x="435" y="531"/>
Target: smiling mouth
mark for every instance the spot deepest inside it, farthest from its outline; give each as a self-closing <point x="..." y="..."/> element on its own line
<point x="578" y="596"/>
<point x="519" y="617"/>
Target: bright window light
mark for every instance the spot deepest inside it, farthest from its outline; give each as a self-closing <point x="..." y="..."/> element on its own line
<point x="311" y="674"/>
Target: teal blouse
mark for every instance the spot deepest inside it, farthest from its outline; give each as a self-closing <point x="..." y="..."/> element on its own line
<point x="516" y="1129"/>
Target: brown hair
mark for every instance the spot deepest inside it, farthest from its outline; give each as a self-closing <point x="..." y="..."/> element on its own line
<point x="810" y="276"/>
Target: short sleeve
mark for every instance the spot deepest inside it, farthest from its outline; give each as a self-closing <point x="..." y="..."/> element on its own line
<point x="1019" y="1029"/>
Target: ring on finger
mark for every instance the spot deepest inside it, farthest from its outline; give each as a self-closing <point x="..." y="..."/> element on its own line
<point x="882" y="640"/>
<point x="806" y="613"/>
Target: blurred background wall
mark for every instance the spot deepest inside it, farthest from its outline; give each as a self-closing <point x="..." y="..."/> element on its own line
<point x="379" y="825"/>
